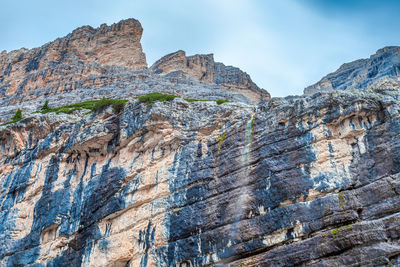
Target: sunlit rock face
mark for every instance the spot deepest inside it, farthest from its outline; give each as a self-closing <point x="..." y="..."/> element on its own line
<point x="108" y="61"/>
<point x="77" y="56"/>
<point x="203" y="68"/>
<point x="363" y="74"/>
<point x="311" y="180"/>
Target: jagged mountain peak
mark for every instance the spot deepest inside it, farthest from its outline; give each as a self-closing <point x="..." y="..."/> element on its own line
<point x="363" y="73"/>
<point x="109" y="61"/>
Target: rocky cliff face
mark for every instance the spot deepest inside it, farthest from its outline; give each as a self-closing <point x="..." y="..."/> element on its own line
<point x="72" y="58"/>
<point x="108" y="62"/>
<point x="311" y="180"/>
<point x="203" y="68"/>
<point x="363" y="74"/>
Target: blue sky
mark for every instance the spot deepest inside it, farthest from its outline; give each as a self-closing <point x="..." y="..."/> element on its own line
<point x="285" y="45"/>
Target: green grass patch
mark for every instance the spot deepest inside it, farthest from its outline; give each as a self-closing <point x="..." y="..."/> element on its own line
<point x="17" y="117"/>
<point x="335" y="232"/>
<point x="151" y="98"/>
<point x="92" y="105"/>
<point x="196" y="100"/>
<point x="221" y="101"/>
<point x="221" y="139"/>
<point x="45" y="107"/>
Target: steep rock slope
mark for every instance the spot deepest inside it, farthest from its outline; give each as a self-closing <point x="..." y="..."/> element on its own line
<point x="105" y="62"/>
<point x="310" y="180"/>
<point x="203" y="68"/>
<point x="363" y="74"/>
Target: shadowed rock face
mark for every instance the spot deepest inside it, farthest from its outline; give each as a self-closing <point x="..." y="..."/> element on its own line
<point x="311" y="180"/>
<point x="363" y="74"/>
<point x="109" y="62"/>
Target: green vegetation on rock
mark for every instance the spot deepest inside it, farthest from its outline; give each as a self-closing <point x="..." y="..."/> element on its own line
<point x="92" y="105"/>
<point x="221" y="139"/>
<point x="17" y="117"/>
<point x="252" y="125"/>
<point x="337" y="230"/>
<point x="151" y="98"/>
<point x="196" y="100"/>
<point x="221" y="101"/>
<point x="45" y="107"/>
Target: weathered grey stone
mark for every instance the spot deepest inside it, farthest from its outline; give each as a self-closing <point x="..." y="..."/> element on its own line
<point x="311" y="180"/>
<point x="109" y="62"/>
<point x="364" y="74"/>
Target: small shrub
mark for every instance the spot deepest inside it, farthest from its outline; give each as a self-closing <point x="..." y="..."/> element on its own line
<point x="117" y="104"/>
<point x="150" y="98"/>
<point x="221" y="101"/>
<point x="101" y="104"/>
<point x="190" y="100"/>
<point x="17" y="117"/>
<point x="92" y="105"/>
<point x="65" y="110"/>
<point x="45" y="107"/>
<point x="221" y="139"/>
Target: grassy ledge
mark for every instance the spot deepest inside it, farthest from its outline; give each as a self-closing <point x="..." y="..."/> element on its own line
<point x="151" y="98"/>
<point x="92" y="105"/>
<point x="16" y="118"/>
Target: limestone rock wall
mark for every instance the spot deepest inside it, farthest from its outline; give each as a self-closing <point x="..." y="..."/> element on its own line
<point x="108" y="61"/>
<point x="203" y="68"/>
<point x="311" y="180"/>
<point x="76" y="56"/>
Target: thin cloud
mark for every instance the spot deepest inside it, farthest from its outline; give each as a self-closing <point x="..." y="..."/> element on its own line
<point x="284" y="45"/>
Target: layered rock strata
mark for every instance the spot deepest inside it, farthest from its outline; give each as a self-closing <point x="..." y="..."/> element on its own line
<point x="107" y="61"/>
<point x="203" y="68"/>
<point x="297" y="181"/>
<point x="363" y="74"/>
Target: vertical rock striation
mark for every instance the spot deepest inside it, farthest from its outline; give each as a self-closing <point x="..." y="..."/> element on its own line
<point x="203" y="68"/>
<point x="311" y="180"/>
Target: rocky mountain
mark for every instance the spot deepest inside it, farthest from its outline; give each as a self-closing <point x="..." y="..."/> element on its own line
<point x="381" y="68"/>
<point x="109" y="62"/>
<point x="300" y="181"/>
<point x="203" y="68"/>
<point x="310" y="180"/>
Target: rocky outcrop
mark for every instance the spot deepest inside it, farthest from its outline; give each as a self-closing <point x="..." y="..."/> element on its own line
<point x="197" y="67"/>
<point x="363" y="74"/>
<point x="298" y="181"/>
<point x="310" y="180"/>
<point x="107" y="62"/>
<point x="203" y="68"/>
<point x="74" y="57"/>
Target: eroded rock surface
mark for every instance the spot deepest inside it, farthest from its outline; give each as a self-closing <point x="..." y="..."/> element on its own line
<point x="203" y="68"/>
<point x="109" y="62"/>
<point x="363" y="74"/>
<point x="297" y="181"/>
<point x="77" y="56"/>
